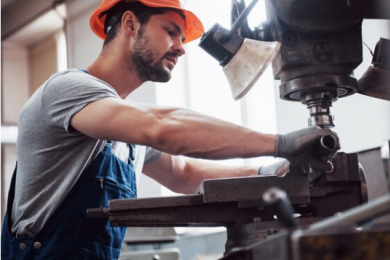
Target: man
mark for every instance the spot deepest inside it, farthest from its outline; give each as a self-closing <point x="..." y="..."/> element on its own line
<point x="77" y="135"/>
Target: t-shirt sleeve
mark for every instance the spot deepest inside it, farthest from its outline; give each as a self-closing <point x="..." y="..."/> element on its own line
<point x="66" y="94"/>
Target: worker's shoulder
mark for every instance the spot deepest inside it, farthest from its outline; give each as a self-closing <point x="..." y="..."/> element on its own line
<point x="73" y="77"/>
<point x="75" y="81"/>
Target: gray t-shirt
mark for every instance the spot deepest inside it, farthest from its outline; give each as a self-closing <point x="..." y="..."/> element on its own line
<point x="51" y="155"/>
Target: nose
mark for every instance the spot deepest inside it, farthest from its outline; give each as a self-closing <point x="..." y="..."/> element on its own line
<point x="178" y="48"/>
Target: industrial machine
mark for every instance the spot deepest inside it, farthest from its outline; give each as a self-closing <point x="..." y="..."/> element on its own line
<point x="314" y="47"/>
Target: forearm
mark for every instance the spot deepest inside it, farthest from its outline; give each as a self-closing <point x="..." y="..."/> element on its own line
<point x="184" y="132"/>
<point x="183" y="175"/>
<point x="199" y="170"/>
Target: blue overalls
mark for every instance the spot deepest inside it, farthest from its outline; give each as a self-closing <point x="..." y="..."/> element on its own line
<point x="69" y="234"/>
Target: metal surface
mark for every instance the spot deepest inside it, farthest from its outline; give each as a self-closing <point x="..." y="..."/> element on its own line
<point x="375" y="83"/>
<point x="318" y="93"/>
<point x="248" y="218"/>
<point x="189" y="210"/>
<point x="374" y="173"/>
<point x="321" y="46"/>
<point x="336" y="244"/>
<point x="332" y="244"/>
<point x="300" y="11"/>
<point x="319" y="52"/>
<point x="222" y="190"/>
<point x="329" y="239"/>
<point x="275" y="247"/>
<point x="336" y="85"/>
<point x="355" y="216"/>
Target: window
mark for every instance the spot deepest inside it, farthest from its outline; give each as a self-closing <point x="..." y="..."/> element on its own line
<point x="200" y="84"/>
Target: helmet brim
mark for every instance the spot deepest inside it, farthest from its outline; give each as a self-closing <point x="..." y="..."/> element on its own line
<point x="194" y="27"/>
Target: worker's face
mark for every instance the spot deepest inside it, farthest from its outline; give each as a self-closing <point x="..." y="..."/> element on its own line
<point x="157" y="47"/>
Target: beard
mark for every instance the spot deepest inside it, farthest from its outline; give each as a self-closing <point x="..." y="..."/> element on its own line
<point x="146" y="63"/>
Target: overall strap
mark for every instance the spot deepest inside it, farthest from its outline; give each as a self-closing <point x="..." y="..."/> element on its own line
<point x="11" y="196"/>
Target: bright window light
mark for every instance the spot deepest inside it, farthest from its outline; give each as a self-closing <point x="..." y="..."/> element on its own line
<point x="9" y="134"/>
<point x="198" y="82"/>
<point x="61" y="52"/>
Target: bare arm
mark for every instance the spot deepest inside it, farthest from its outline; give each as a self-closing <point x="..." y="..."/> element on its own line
<point x="184" y="175"/>
<point x="172" y="130"/>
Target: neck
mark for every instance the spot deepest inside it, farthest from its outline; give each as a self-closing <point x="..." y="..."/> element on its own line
<point x="112" y="70"/>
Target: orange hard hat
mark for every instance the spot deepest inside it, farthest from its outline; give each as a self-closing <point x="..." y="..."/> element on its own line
<point x="194" y="28"/>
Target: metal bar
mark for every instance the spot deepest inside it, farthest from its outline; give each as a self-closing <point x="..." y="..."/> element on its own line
<point x="208" y="214"/>
<point x="373" y="209"/>
<point x="247" y="190"/>
<point x="243" y="16"/>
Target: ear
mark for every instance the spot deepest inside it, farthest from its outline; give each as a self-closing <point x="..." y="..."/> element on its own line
<point x="130" y="23"/>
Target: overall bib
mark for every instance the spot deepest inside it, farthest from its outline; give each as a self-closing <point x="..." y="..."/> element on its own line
<point x="68" y="234"/>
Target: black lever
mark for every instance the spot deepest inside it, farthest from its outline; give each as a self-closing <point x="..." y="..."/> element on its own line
<point x="280" y="205"/>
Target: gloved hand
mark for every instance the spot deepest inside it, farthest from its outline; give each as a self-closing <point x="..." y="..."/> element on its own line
<point x="303" y="147"/>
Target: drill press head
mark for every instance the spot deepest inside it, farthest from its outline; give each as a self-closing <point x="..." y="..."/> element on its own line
<point x="317" y="57"/>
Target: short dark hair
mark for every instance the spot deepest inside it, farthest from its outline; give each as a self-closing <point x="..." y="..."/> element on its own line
<point x="141" y="11"/>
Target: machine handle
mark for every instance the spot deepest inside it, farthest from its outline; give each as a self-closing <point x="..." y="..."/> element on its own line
<point x="240" y="20"/>
<point x="279" y="203"/>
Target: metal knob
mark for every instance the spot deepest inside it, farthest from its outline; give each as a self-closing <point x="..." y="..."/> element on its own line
<point x="280" y="205"/>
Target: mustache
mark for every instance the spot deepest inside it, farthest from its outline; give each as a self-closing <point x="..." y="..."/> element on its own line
<point x="171" y="54"/>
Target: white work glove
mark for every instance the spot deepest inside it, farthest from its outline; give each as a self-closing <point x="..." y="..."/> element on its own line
<point x="279" y="169"/>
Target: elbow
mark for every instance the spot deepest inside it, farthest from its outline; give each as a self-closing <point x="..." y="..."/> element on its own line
<point x="159" y="138"/>
<point x="170" y="133"/>
<point x="162" y="137"/>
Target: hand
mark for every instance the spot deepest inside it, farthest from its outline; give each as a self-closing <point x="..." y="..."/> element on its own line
<point x="304" y="146"/>
<point x="279" y="169"/>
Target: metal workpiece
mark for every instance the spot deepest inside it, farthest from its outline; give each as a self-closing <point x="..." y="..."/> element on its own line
<point x="328" y="143"/>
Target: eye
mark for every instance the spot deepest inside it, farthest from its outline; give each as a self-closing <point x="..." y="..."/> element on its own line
<point x="170" y="32"/>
